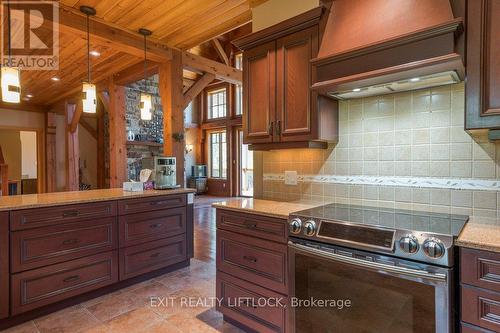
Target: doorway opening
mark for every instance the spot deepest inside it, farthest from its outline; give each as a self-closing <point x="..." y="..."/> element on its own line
<point x="245" y="167"/>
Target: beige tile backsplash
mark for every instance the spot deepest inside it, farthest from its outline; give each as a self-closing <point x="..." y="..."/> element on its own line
<point x="415" y="134"/>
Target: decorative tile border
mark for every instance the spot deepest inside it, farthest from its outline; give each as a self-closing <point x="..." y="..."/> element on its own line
<point x="422" y="182"/>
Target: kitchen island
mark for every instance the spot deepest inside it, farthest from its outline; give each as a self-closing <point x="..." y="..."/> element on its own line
<point x="57" y="249"/>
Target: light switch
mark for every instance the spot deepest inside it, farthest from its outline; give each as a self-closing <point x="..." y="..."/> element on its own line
<point x="290" y="177"/>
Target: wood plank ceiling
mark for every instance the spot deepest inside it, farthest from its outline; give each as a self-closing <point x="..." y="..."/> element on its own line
<point x="181" y="24"/>
<point x="178" y="23"/>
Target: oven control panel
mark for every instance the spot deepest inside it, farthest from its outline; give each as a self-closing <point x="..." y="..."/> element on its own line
<point x="419" y="246"/>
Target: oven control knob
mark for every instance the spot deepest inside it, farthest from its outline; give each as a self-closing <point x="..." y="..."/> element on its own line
<point x="309" y="228"/>
<point x="295" y="226"/>
<point x="409" y="243"/>
<point x="434" y="248"/>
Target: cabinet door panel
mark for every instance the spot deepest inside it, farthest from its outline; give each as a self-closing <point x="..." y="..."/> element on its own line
<point x="259" y="96"/>
<point x="296" y="107"/>
<point x="4" y="264"/>
<point x="483" y="65"/>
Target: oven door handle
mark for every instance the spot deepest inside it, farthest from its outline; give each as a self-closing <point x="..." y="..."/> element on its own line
<point x="368" y="264"/>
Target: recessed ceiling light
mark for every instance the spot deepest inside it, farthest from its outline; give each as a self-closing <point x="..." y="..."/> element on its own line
<point x="29" y="95"/>
<point x="55" y="78"/>
<point x="415" y="79"/>
<point x="356" y="89"/>
<point x="94" y="53"/>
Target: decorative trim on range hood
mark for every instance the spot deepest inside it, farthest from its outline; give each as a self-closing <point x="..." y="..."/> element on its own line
<point x="426" y="51"/>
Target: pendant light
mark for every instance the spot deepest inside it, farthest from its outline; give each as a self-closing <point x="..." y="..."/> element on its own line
<point x="89" y="90"/>
<point x="11" y="76"/>
<point x="146" y="105"/>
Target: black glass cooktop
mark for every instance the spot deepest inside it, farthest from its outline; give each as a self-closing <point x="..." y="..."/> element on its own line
<point x="446" y="224"/>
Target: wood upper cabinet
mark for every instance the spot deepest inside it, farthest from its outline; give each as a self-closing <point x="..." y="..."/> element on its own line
<point x="279" y="108"/>
<point x="483" y="66"/>
<point x="296" y="104"/>
<point x="259" y="66"/>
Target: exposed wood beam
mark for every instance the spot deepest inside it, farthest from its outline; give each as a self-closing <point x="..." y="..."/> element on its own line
<point x="221" y="71"/>
<point x="22" y="107"/>
<point x="170" y="88"/>
<point x="104" y="33"/>
<point x="76" y="117"/>
<point x="197" y="88"/>
<point x="104" y="98"/>
<point x="135" y="73"/>
<point x="220" y="51"/>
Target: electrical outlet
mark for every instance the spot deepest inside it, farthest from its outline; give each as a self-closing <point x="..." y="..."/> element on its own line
<point x="290" y="177"/>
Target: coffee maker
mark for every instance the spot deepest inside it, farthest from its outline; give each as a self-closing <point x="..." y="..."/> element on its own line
<point x="164" y="173"/>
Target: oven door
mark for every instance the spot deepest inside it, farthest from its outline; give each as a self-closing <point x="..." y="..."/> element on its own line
<point x="367" y="293"/>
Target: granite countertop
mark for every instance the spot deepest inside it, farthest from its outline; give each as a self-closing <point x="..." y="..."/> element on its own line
<point x="481" y="233"/>
<point x="263" y="207"/>
<point x="64" y="198"/>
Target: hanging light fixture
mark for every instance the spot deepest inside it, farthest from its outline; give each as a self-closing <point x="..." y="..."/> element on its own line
<point x="89" y="90"/>
<point x="11" y="76"/>
<point x="146" y="105"/>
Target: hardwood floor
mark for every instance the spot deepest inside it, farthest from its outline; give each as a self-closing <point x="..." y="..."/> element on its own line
<point x="146" y="307"/>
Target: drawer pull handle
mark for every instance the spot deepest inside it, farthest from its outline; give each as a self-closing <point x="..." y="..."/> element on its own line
<point x="154" y="226"/>
<point x="250" y="304"/>
<point x="155" y="255"/>
<point x="72" y="278"/>
<point x="250" y="258"/>
<point x="70" y="213"/>
<point x="70" y="241"/>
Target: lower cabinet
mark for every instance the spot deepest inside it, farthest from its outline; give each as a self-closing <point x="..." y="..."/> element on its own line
<point x="252" y="277"/>
<point x="480" y="291"/>
<point x="145" y="258"/>
<point x="39" y="287"/>
<point x="53" y="254"/>
<point x="253" y="306"/>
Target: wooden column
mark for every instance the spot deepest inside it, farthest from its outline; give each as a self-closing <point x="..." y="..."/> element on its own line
<point x="172" y="99"/>
<point x="101" y="168"/>
<point x="72" y="150"/>
<point x="50" y="150"/>
<point x="117" y="135"/>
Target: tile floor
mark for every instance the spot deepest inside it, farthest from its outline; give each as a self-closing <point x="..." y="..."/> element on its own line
<point x="130" y="310"/>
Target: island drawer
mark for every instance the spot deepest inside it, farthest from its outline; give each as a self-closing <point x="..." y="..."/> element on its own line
<point x="149" y="226"/>
<point x="481" y="307"/>
<point x="43" y="286"/>
<point x="151" y="203"/>
<point x="480" y="268"/>
<point x="251" y="305"/>
<point x="273" y="229"/>
<point x="148" y="257"/>
<point x="255" y="260"/>
<point x="35" y="248"/>
<point x="39" y="217"/>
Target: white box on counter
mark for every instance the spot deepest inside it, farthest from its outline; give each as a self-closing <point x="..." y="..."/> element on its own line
<point x="133" y="186"/>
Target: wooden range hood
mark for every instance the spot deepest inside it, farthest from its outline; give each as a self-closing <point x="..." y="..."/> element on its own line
<point x="369" y="43"/>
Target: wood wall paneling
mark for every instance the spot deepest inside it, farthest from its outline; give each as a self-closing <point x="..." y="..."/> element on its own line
<point x="51" y="159"/>
<point x="72" y="151"/>
<point x="170" y="88"/>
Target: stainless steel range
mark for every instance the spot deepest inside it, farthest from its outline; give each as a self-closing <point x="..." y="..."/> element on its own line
<point x="394" y="268"/>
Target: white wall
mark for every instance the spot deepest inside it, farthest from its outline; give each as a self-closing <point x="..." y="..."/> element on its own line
<point x="275" y="11"/>
<point x="29" y="155"/>
<point x="24" y="119"/>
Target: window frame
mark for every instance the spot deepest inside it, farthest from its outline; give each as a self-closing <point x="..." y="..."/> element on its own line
<point x="206" y="104"/>
<point x="221" y="163"/>
<point x="236" y="86"/>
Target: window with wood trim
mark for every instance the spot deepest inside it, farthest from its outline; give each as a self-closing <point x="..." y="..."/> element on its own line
<point x="218" y="154"/>
<point x="217" y="104"/>
<point x="238" y="63"/>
